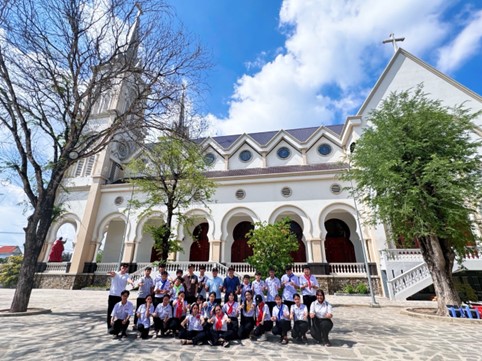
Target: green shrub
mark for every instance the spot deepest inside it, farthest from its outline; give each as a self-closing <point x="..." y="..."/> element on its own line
<point x="348" y="289"/>
<point x="361" y="288"/>
<point x="9" y="271"/>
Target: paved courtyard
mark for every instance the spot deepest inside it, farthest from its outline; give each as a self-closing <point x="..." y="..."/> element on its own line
<point x="76" y="330"/>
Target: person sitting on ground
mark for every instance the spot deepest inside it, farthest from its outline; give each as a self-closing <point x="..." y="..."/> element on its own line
<point x="299" y="314"/>
<point x="118" y="284"/>
<point x="247" y="323"/>
<point x="180" y="308"/>
<point x="321" y="315"/>
<point x="163" y="320"/>
<point x="192" y="331"/>
<point x="281" y="317"/>
<point x="144" y="312"/>
<point x="263" y="320"/>
<point x="231" y="309"/>
<point x="121" y="315"/>
<point x="220" y="333"/>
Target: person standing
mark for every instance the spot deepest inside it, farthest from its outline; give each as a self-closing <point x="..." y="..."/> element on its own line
<point x="273" y="284"/>
<point x="290" y="283"/>
<point x="231" y="284"/>
<point x="190" y="284"/>
<point x="258" y="286"/>
<point x="215" y="284"/>
<point x="202" y="279"/>
<point x="308" y="286"/>
<point x="146" y="286"/>
<point x="57" y="250"/>
<point x="120" y="316"/>
<point x="321" y="314"/>
<point x="118" y="284"/>
<point x="162" y="287"/>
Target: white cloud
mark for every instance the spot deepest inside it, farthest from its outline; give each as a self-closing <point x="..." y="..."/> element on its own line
<point x="467" y="43"/>
<point x="12" y="219"/>
<point x="333" y="54"/>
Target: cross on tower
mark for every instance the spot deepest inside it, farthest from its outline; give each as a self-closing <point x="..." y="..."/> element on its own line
<point x="392" y="39"/>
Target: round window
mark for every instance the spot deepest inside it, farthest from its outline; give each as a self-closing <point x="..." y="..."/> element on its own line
<point x="283" y="152"/>
<point x="324" y="149"/>
<point x="245" y="155"/>
<point x="209" y="158"/>
<point x="240" y="194"/>
<point x="335" y="188"/>
<point x="286" y="192"/>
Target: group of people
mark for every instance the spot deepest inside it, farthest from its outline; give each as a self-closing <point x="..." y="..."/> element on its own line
<point x="191" y="308"/>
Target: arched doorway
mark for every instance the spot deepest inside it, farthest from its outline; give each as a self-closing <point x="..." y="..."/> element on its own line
<point x="300" y="254"/>
<point x="240" y="249"/>
<point x="199" y="251"/>
<point x="338" y="247"/>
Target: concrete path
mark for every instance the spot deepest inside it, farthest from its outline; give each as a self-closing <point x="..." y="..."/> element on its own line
<point x="76" y="330"/>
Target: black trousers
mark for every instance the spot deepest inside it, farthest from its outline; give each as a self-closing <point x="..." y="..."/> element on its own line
<point x="271" y="305"/>
<point x="139" y="301"/>
<point x="160" y="325"/>
<point x="119" y="327"/>
<point x="320" y="329"/>
<point x="281" y="328"/>
<point x="234" y="326"/>
<point x="300" y="328"/>
<point x="308" y="300"/>
<point x="216" y="335"/>
<point x="143" y="330"/>
<point x="195" y="336"/>
<point x="289" y="304"/>
<point x="246" y="326"/>
<point x="262" y="328"/>
<point x="110" y="306"/>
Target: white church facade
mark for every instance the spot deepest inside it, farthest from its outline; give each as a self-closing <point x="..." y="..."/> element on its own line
<point x="260" y="177"/>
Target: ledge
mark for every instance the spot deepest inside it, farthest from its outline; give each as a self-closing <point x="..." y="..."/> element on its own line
<point x="30" y="312"/>
<point x="414" y="313"/>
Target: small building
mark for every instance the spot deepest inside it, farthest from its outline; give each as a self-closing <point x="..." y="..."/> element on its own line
<point x="7" y="251"/>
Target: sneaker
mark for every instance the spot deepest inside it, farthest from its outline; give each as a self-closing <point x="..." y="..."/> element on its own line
<point x="115" y="337"/>
<point x="226" y="344"/>
<point x="284" y="341"/>
<point x="253" y="337"/>
<point x="156" y="335"/>
<point x="263" y="337"/>
<point x="327" y="344"/>
<point x="305" y="339"/>
<point x="210" y="343"/>
<point x="124" y="335"/>
<point x="183" y="342"/>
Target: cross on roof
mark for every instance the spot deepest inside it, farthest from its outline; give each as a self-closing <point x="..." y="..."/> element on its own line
<point x="392" y="39"/>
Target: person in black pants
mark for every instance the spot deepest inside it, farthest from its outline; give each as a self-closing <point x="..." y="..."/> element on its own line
<point x="321" y="315"/>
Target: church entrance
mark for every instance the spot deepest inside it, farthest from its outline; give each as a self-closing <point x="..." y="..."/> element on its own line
<point x="299" y="255"/>
<point x="338" y="247"/>
<point x="240" y="249"/>
<point x="199" y="251"/>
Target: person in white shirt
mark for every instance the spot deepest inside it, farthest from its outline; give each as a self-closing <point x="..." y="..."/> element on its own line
<point x="162" y="287"/>
<point x="273" y="284"/>
<point x="281" y="317"/>
<point x="179" y="310"/>
<point x="245" y="286"/>
<point x="321" y="315"/>
<point x="247" y="323"/>
<point x="299" y="315"/>
<point x="263" y="320"/>
<point x="146" y="286"/>
<point x="220" y="333"/>
<point x="163" y="320"/>
<point x="192" y="331"/>
<point x="231" y="309"/>
<point x="118" y="284"/>
<point x="258" y="286"/>
<point x="215" y="284"/>
<point x="203" y="279"/>
<point x="308" y="286"/>
<point x="290" y="283"/>
<point x="120" y="316"/>
<point x="144" y="312"/>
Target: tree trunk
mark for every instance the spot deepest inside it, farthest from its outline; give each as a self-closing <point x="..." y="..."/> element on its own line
<point x="35" y="234"/>
<point x="440" y="257"/>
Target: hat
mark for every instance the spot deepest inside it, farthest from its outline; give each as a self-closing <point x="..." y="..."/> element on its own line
<point x="258" y="299"/>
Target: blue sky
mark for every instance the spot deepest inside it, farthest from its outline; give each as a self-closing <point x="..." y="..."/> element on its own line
<point x="281" y="64"/>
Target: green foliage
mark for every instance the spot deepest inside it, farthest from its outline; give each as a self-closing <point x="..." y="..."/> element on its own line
<point x="348" y="289"/>
<point x="466" y="292"/>
<point x="162" y="237"/>
<point x="10" y="270"/>
<point x="272" y="245"/>
<point x="418" y="170"/>
<point x="361" y="288"/>
<point x="170" y="174"/>
<point x="99" y="255"/>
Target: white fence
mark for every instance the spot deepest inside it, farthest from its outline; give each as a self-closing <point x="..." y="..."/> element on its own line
<point x="56" y="267"/>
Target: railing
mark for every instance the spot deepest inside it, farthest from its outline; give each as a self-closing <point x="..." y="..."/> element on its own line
<point x="347" y="269"/>
<point x="403" y="282"/>
<point x="56" y="267"/>
<point x="409" y="254"/>
<point x="245" y="268"/>
<point x="472" y="252"/>
<point x="103" y="268"/>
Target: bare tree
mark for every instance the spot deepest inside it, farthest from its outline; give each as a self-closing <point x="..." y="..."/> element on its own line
<point x="60" y="61"/>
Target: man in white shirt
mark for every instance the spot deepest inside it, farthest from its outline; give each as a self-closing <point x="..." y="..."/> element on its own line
<point x="273" y="284"/>
<point x="289" y="282"/>
<point x="120" y="316"/>
<point x="308" y="286"/>
<point x="118" y="284"/>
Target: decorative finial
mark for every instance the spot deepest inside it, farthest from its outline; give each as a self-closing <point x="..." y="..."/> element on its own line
<point x="392" y="39"/>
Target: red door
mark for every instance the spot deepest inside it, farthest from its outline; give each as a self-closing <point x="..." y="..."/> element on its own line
<point x="199" y="251"/>
<point x="300" y="254"/>
<point x="240" y="249"/>
<point x="339" y="250"/>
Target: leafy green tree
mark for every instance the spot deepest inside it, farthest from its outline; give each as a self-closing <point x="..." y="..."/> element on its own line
<point x="10" y="270"/>
<point x="170" y="176"/>
<point x="417" y="169"/>
<point x="272" y="245"/>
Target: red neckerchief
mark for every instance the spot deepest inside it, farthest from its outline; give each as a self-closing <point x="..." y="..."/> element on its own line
<point x="308" y="279"/>
<point x="219" y="321"/>
<point x="260" y="313"/>
<point x="230" y="308"/>
<point x="179" y="309"/>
